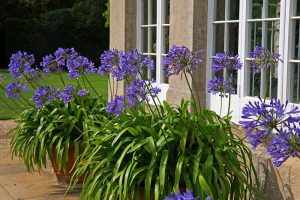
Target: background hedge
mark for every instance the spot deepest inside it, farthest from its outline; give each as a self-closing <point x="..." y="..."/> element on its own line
<point x="41" y="26"/>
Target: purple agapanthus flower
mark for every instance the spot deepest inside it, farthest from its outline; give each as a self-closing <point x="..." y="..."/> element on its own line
<point x="59" y="61"/>
<point x="130" y="63"/>
<point x="273" y="124"/>
<point x="122" y="65"/>
<point x="116" y="106"/>
<point x="67" y="94"/>
<point x="225" y="61"/>
<point x="109" y="60"/>
<point x="44" y="94"/>
<point x="62" y="55"/>
<point x="136" y="92"/>
<point x="139" y="91"/>
<point x="279" y="147"/>
<point x="181" y="59"/>
<point x="80" y="65"/>
<point x="262" y="58"/>
<point x="49" y="64"/>
<point x="221" y="86"/>
<point x="187" y="195"/>
<point x="82" y="92"/>
<point x="20" y="63"/>
<point x="14" y="90"/>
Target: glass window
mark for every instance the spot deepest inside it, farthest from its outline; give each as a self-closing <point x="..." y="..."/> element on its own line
<point x="226" y="31"/>
<point x="264" y="26"/>
<point x="154" y="34"/>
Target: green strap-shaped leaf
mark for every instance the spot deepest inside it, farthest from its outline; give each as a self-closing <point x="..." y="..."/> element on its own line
<point x="178" y="172"/>
<point x="162" y="170"/>
<point x="204" y="185"/>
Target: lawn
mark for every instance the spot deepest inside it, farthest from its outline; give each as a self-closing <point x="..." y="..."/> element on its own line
<point x="99" y="83"/>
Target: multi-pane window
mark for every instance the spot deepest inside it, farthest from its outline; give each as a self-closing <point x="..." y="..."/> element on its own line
<point x="226" y="29"/>
<point x="294" y="62"/>
<point x="153" y="34"/>
<point x="238" y="27"/>
<point x="263" y="23"/>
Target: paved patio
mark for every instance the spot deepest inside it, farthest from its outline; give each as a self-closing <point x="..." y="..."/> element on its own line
<point x="17" y="184"/>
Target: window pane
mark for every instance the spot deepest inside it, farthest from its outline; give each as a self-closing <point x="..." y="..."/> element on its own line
<point x="220" y="10"/>
<point x="274" y="8"/>
<point x="296" y="7"/>
<point x="296" y="41"/>
<point x="219" y="37"/>
<point x="233" y="38"/>
<point x="144" y="11"/>
<point x="273" y="36"/>
<point x="271" y="81"/>
<point x="256" y="35"/>
<point x="165" y="40"/>
<point x="295" y="83"/>
<point x="234" y="9"/>
<point x="153" y="12"/>
<point x="166" y="19"/>
<point x="254" y="87"/>
<point x="148" y="39"/>
<point x="144" y="42"/>
<point x="149" y="74"/>
<point x="257" y="6"/>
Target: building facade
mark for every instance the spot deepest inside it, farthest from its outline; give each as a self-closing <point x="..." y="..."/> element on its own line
<point x="235" y="26"/>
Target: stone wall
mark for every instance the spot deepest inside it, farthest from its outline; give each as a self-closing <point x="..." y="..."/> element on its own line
<point x="281" y="183"/>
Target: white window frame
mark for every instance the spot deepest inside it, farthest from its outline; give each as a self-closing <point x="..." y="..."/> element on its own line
<point x="160" y="15"/>
<point x="239" y="100"/>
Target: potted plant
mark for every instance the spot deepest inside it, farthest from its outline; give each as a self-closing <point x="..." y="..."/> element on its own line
<point x="55" y="125"/>
<point x="159" y="149"/>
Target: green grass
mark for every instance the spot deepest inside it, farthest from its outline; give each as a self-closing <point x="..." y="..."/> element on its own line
<point x="98" y="82"/>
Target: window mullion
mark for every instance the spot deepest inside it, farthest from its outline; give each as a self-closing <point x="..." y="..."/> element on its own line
<point x="159" y="72"/>
<point x="288" y="49"/>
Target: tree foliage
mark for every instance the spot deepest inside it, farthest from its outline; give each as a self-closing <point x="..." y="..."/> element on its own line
<point x="40" y="26"/>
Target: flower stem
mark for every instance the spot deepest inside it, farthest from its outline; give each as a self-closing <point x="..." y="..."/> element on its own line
<point x="229" y="104"/>
<point x="194" y="104"/>
<point x="61" y="78"/>
<point x="149" y="90"/>
<point x="8" y="105"/>
<point x="198" y="97"/>
<point x="92" y="86"/>
<point x="221" y="106"/>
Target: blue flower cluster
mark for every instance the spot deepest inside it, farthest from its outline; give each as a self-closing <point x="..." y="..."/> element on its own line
<point x="80" y="65"/>
<point x="262" y="58"/>
<point x="14" y="90"/>
<point x="20" y="63"/>
<point x="70" y="59"/>
<point x="136" y="93"/>
<point x="45" y="94"/>
<point x="116" y="106"/>
<point x="273" y="124"/>
<point x="124" y="65"/>
<point x="226" y="61"/>
<point x="181" y="59"/>
<point x="221" y="86"/>
<point x="127" y="65"/>
<point x="187" y="195"/>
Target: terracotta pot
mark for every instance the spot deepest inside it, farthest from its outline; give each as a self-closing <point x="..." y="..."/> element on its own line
<point x="64" y="177"/>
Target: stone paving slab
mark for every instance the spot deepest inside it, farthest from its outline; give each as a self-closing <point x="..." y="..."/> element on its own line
<point x="18" y="184"/>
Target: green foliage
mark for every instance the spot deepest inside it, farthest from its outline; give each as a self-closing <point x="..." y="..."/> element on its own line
<point x="40" y="27"/>
<point x="106" y="14"/>
<point x="142" y="151"/>
<point x="54" y="125"/>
